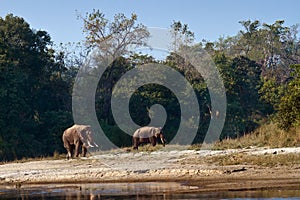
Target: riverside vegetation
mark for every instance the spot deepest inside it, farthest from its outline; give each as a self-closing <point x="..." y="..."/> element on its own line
<point x="260" y="68"/>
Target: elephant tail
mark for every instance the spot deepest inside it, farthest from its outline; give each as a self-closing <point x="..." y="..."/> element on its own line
<point x="65" y="141"/>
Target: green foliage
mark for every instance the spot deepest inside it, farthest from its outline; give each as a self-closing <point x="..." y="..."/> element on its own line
<point x="241" y="77"/>
<point x="182" y="35"/>
<point x="289" y="106"/>
<point x="116" y="135"/>
<point x="31" y="85"/>
<point x="105" y="86"/>
<point x="259" y="67"/>
<point x="253" y="87"/>
<point x="271" y="93"/>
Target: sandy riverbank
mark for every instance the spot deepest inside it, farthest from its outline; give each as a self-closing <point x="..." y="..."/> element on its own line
<point x="191" y="167"/>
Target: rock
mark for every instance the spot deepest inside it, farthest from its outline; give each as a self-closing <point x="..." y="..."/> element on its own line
<point x="235" y="170"/>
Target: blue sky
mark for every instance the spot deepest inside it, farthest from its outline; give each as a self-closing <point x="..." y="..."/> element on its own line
<point x="208" y="19"/>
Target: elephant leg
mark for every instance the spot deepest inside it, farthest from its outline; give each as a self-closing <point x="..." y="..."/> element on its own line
<point x="163" y="140"/>
<point x="77" y="147"/>
<point x="84" y="150"/>
<point x="135" y="141"/>
<point x="152" y="140"/>
<point x="69" y="154"/>
<point x="70" y="149"/>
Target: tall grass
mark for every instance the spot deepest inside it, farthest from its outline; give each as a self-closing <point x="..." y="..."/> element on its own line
<point x="268" y="135"/>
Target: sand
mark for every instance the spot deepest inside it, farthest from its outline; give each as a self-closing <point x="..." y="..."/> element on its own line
<point x="188" y="167"/>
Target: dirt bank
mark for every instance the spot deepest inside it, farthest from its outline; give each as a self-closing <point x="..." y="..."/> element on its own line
<point x="196" y="168"/>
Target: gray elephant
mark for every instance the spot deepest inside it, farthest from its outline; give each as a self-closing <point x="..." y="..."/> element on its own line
<point x="147" y="134"/>
<point x="76" y="137"/>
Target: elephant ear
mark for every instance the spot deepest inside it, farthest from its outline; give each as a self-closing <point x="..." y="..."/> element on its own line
<point x="80" y="135"/>
<point x="84" y="131"/>
<point x="88" y="137"/>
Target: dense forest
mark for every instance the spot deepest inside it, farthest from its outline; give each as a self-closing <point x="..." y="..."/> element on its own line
<point x="259" y="66"/>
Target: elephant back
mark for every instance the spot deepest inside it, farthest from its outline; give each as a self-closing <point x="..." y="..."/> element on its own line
<point x="81" y="128"/>
<point x="75" y="132"/>
<point x="70" y="135"/>
<point x="146" y="132"/>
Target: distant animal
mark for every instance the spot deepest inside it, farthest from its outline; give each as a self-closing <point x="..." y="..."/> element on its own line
<point x="147" y="134"/>
<point x="76" y="137"/>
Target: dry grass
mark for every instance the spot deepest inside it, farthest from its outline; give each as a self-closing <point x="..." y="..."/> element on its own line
<point x="265" y="136"/>
<point x="263" y="160"/>
<point x="204" y="146"/>
<point x="149" y="148"/>
<point x="269" y="160"/>
<point x="56" y="156"/>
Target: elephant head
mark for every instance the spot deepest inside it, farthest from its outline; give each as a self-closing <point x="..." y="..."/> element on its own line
<point x="148" y="134"/>
<point x="76" y="137"/>
<point x="162" y="137"/>
<point x="86" y="136"/>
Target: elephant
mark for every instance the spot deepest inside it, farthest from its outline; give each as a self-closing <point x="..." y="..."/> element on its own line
<point x="76" y="137"/>
<point x="147" y="134"/>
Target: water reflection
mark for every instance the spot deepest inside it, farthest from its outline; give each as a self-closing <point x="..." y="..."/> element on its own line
<point x="137" y="191"/>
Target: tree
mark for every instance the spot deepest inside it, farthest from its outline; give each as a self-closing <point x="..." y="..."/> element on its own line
<point x="105" y="86"/>
<point x="181" y="34"/>
<point x="249" y="37"/>
<point x="289" y="107"/>
<point x="31" y="85"/>
<point x="271" y="93"/>
<point x="241" y="77"/>
<point x="274" y="46"/>
<point x="113" y="38"/>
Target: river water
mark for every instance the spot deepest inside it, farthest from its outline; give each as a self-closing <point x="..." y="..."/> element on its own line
<point x="137" y="191"/>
